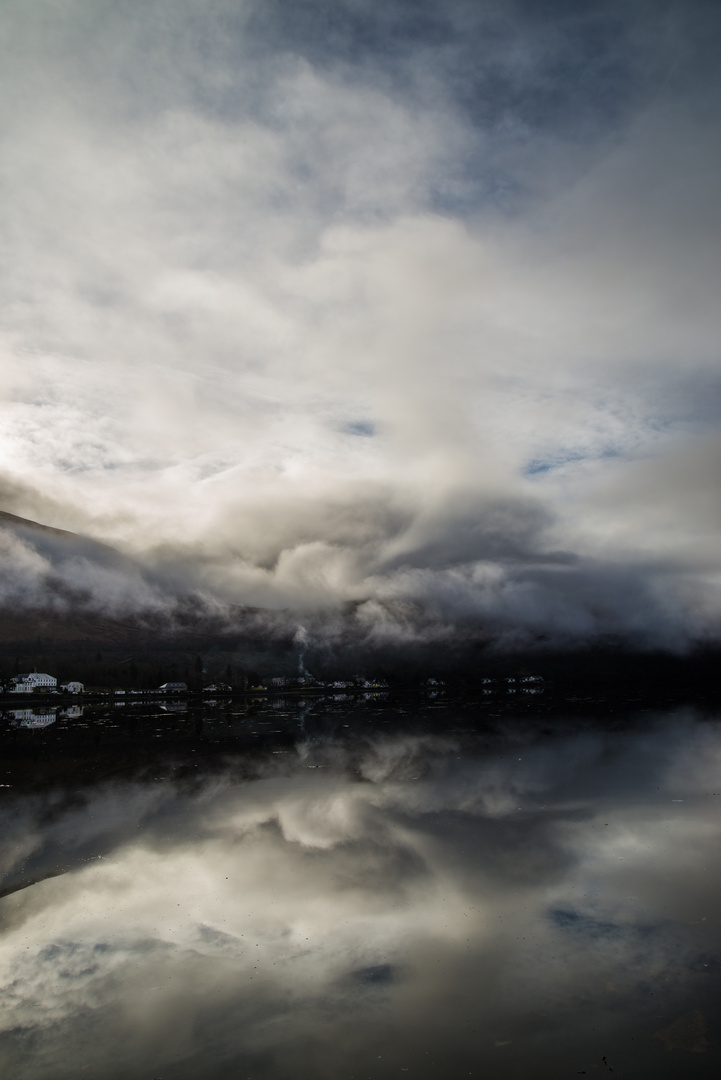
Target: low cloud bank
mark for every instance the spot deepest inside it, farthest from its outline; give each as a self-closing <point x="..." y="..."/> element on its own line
<point x="449" y="591"/>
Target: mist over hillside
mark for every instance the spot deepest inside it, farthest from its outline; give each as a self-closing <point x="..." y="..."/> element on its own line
<point x="108" y="619"/>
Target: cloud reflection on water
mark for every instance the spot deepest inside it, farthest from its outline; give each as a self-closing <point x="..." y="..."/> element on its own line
<point x="403" y="902"/>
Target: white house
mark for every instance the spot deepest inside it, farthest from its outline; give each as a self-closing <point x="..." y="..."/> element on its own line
<point x="33" y="680"/>
<point x="73" y="687"/>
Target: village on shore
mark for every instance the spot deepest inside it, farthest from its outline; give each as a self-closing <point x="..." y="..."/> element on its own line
<point x="37" y="683"/>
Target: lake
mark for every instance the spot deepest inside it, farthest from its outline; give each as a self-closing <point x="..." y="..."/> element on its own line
<point x="359" y="889"/>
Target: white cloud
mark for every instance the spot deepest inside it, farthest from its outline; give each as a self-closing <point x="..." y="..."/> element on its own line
<point x="217" y="269"/>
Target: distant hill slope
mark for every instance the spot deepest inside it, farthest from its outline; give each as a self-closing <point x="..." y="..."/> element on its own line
<point x="14" y="521"/>
<point x="48" y="629"/>
<point x="35" y="622"/>
<point x="61" y="608"/>
<point x="59" y="543"/>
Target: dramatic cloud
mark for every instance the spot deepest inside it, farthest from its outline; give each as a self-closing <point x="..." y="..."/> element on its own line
<point x="404" y="321"/>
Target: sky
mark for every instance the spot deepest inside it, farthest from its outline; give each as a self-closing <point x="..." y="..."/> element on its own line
<point x="398" y="321"/>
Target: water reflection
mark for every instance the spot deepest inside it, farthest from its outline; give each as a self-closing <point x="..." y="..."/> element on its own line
<point x="32" y="718"/>
<point x="174" y="706"/>
<point x="374" y="902"/>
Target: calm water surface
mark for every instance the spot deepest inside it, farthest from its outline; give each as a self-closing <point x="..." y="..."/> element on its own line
<point x="359" y="890"/>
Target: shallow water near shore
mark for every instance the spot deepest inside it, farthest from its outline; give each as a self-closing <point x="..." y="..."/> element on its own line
<point x="359" y="889"/>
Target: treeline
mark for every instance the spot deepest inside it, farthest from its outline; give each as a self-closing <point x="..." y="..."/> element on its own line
<point x="134" y="672"/>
